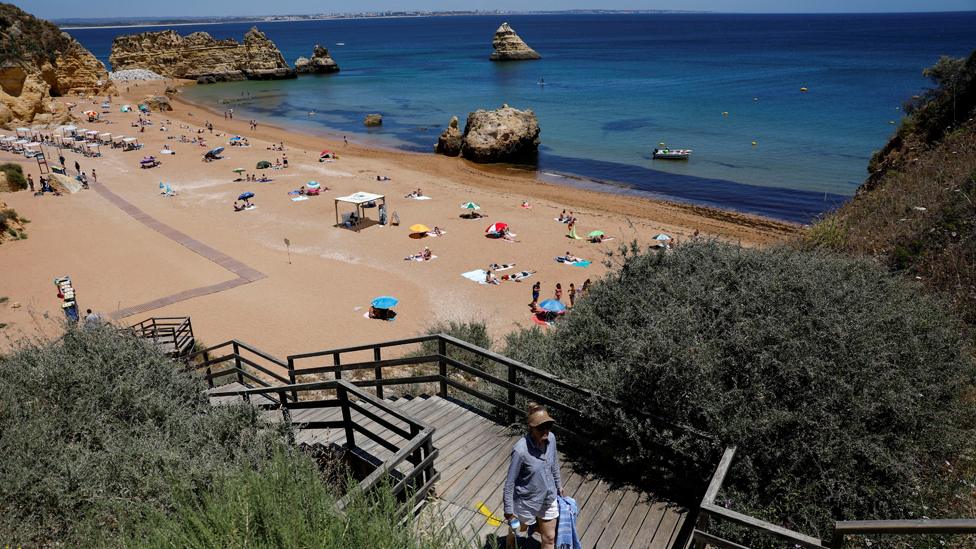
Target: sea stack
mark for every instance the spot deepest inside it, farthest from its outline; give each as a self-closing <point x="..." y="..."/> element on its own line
<point x="449" y="143"/>
<point x="201" y="57"/>
<point x="320" y="63"/>
<point x="501" y="135"/>
<point x="509" y="47"/>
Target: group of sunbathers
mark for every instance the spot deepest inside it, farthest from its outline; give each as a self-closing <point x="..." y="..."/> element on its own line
<point x="413" y="194"/>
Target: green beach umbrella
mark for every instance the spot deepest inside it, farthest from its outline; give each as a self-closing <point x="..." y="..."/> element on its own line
<point x="264" y="164"/>
<point x="594" y="234"/>
<point x="238" y="170"/>
<point x="470" y="206"/>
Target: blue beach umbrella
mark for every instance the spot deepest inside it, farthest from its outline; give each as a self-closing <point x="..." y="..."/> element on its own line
<point x="245" y="196"/>
<point x="552" y="306"/>
<point x="216" y="151"/>
<point x="385" y="302"/>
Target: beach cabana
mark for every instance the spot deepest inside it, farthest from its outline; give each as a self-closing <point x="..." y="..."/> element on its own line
<point x="357" y="200"/>
<point x="130" y="143"/>
<point x="67" y="130"/>
<point x="24" y="133"/>
<point x="32" y="149"/>
<point x="93" y="149"/>
<point x="105" y="137"/>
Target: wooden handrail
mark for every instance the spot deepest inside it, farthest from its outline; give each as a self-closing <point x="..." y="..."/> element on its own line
<point x="903" y="527"/>
<point x="390" y="343"/>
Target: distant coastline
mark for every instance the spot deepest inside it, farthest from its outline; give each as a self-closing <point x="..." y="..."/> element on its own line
<point x="105" y="22"/>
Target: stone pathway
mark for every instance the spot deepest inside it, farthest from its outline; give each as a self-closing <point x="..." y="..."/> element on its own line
<point x="245" y="274"/>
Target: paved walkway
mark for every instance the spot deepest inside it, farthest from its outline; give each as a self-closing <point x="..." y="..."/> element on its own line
<point x="245" y="274"/>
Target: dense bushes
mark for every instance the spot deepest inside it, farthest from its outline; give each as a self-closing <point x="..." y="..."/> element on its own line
<point x="839" y="384"/>
<point x="105" y="442"/>
<point x="15" y="175"/>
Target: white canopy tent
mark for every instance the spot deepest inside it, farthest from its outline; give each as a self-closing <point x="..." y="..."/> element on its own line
<point x="358" y="200"/>
<point x="105" y="137"/>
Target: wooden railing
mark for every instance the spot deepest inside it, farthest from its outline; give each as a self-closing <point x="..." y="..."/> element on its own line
<point x="414" y="436"/>
<point x="709" y="511"/>
<point x="175" y="334"/>
<point x="245" y="363"/>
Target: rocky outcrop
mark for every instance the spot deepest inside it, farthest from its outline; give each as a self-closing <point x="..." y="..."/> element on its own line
<point x="373" y="120"/>
<point x="502" y="135"/>
<point x="199" y="56"/>
<point x="449" y="143"/>
<point x="509" y="47"/>
<point x="320" y="63"/>
<point x="157" y="103"/>
<point x="38" y="62"/>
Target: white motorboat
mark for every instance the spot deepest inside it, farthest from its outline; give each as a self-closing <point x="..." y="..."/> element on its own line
<point x="671" y="154"/>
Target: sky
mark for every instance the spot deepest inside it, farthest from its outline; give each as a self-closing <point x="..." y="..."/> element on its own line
<point x="58" y="9"/>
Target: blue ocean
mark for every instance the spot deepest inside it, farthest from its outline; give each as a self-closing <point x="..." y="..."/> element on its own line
<point x="617" y="85"/>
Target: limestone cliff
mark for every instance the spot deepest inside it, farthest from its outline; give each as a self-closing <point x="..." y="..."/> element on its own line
<point x="37" y="62"/>
<point x="320" y="63"/>
<point x="509" y="47"/>
<point x="449" y="143"/>
<point x="200" y="56"/>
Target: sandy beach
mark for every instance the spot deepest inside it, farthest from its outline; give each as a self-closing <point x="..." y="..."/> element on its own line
<point x="134" y="253"/>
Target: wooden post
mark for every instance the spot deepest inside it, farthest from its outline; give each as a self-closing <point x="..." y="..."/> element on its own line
<point x="291" y="378"/>
<point x="206" y="360"/>
<point x="837" y="540"/>
<point x="378" y="372"/>
<point x="336" y="362"/>
<point x="442" y="365"/>
<point x="346" y="417"/>
<point x="513" y="379"/>
<point x="237" y="364"/>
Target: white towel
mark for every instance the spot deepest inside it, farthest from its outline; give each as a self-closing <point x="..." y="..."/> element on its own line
<point x="477" y="275"/>
<point x="299" y="198"/>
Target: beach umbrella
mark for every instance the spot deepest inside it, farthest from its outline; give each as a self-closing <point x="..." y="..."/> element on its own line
<point x="263" y="165"/>
<point x="419" y="228"/>
<point x="235" y="138"/>
<point x="470" y="206"/>
<point x="245" y="196"/>
<point x="496" y="227"/>
<point x="313" y="185"/>
<point x="91" y="113"/>
<point x="594" y="234"/>
<point x="238" y="170"/>
<point x="325" y="152"/>
<point x="216" y="151"/>
<point x="662" y="237"/>
<point x="552" y="305"/>
<point x="385" y="302"/>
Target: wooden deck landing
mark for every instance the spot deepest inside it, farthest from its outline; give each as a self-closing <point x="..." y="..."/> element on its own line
<point x="473" y="462"/>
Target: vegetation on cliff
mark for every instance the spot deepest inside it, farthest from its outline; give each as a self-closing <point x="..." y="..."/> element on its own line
<point x="916" y="214"/>
<point x="26" y="37"/>
<point x="841" y="385"/>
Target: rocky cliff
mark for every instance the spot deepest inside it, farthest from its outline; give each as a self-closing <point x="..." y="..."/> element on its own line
<point x="449" y="143"/>
<point x="509" y="47"/>
<point x="200" y="56"/>
<point x="320" y="63"/>
<point x="37" y="62"/>
<point x="501" y="135"/>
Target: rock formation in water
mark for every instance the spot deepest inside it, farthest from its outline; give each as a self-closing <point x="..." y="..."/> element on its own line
<point x="509" y="47"/>
<point x="320" y="63"/>
<point x="501" y="135"/>
<point x="201" y="57"/>
<point x="373" y="120"/>
<point x="37" y="62"/>
<point x="449" y="143"/>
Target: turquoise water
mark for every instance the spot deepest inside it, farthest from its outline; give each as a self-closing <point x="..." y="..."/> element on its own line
<point x="616" y="85"/>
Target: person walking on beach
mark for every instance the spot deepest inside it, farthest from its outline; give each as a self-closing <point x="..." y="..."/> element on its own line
<point x="344" y="140"/>
<point x="94" y="177"/>
<point x="572" y="294"/>
<point x="533" y="484"/>
<point x="585" y="290"/>
<point x="536" y="289"/>
<point x="559" y="292"/>
<point x="77" y="167"/>
<point x="30" y="182"/>
<point x="61" y="159"/>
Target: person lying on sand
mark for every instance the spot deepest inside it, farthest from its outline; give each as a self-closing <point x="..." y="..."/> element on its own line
<point x="517" y="277"/>
<point x="570" y="258"/>
<point x="436" y="231"/>
<point x="424" y="255"/>
<point x="382" y="178"/>
<point x="500" y="267"/>
<point x="239" y="207"/>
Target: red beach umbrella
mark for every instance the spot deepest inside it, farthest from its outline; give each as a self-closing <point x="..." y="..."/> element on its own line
<point x="496" y="227"/>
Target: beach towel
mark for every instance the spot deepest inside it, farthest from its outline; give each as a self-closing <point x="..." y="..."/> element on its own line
<point x="572" y="234"/>
<point x="566" y="535"/>
<point x="299" y="198"/>
<point x="417" y="197"/>
<point x="579" y="263"/>
<point x="419" y="258"/>
<point x="431" y="233"/>
<point x="564" y="220"/>
<point x="501" y="267"/>
<point x="478" y="276"/>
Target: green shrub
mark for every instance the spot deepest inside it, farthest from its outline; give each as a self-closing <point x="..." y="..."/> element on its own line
<point x="15" y="175"/>
<point x="98" y="428"/>
<point x="840" y="384"/>
<point x="282" y="504"/>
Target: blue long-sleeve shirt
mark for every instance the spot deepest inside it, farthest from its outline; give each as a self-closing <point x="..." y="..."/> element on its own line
<point x="533" y="476"/>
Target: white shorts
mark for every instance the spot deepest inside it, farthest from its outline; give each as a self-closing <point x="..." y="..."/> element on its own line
<point x="527" y="517"/>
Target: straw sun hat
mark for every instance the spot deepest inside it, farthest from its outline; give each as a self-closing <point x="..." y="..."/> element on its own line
<point x="537" y="415"/>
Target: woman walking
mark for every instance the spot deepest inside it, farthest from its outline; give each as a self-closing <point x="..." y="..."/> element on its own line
<point x="533" y="482"/>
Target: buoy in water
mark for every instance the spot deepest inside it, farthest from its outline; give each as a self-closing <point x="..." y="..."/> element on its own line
<point x="891" y="121"/>
<point x="755" y="99"/>
<point x="754" y="143"/>
<point x="803" y="89"/>
<point x="725" y="113"/>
